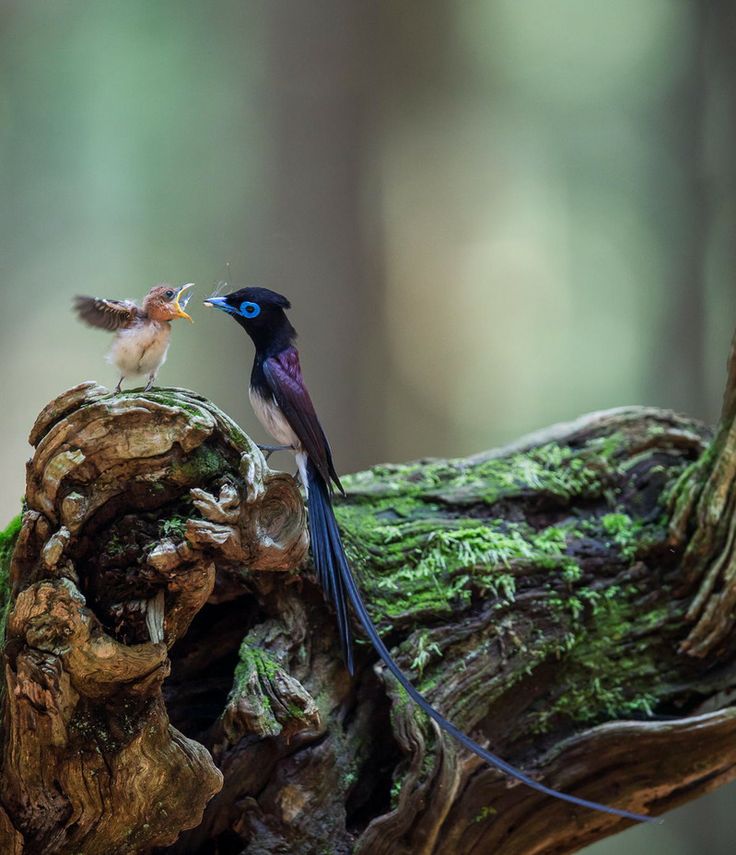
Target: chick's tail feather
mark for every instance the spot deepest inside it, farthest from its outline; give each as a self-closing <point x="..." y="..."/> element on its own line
<point x="337" y="580"/>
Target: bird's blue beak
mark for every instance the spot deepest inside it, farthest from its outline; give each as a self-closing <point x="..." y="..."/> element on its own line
<point x="218" y="303"/>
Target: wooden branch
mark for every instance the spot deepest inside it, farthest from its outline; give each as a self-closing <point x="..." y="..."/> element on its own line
<point x="706" y="503"/>
<point x="567" y="600"/>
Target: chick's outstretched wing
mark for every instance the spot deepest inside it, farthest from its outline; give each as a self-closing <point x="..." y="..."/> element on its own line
<point x="106" y="314"/>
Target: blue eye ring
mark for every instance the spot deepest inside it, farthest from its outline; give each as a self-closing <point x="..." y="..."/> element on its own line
<point x="249" y="310"/>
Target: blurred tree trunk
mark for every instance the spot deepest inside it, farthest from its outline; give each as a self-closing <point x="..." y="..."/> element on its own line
<point x="681" y="367"/>
<point x="317" y="119"/>
<point x="568" y="600"/>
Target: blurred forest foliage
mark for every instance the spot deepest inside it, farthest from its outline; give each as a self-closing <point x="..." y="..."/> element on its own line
<point x="489" y="215"/>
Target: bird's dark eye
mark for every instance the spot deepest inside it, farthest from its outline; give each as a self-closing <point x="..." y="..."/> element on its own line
<point x="169" y="294"/>
<point x="249" y="310"/>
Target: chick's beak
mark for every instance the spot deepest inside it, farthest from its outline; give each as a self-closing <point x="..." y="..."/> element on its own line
<point x="180" y="313"/>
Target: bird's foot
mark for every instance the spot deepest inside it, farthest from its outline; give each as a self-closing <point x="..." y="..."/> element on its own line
<point x="149" y="385"/>
<point x="268" y="450"/>
<point x="119" y="387"/>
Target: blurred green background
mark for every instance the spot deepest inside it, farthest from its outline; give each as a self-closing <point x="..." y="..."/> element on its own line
<point x="489" y="216"/>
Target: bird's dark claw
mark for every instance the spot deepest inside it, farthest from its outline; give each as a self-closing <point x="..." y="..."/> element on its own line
<point x="268" y="450"/>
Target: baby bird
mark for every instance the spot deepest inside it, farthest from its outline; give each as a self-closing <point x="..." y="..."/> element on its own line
<point x="142" y="333"/>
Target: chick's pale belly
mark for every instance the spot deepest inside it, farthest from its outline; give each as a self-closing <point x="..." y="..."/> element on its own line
<point x="270" y="416"/>
<point x="141" y="349"/>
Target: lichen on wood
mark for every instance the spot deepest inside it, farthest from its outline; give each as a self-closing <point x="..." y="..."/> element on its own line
<point x="173" y="677"/>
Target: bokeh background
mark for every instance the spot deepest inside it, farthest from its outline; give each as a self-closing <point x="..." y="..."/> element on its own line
<point x="489" y="216"/>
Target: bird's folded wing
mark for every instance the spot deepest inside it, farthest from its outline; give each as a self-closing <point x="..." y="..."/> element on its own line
<point x="284" y="376"/>
<point x="106" y="314"/>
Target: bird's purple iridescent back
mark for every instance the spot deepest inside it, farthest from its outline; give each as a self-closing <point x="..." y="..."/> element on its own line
<point x="283" y="374"/>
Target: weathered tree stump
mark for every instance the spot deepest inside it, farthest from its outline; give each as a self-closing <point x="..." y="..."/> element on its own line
<point x="173" y="680"/>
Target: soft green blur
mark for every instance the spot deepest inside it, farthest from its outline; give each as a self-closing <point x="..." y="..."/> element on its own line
<point x="489" y="216"/>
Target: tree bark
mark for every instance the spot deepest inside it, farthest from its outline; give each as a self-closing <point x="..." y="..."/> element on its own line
<point x="173" y="680"/>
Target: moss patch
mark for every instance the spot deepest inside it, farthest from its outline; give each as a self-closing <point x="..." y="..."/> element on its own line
<point x="7" y="544"/>
<point x="254" y="668"/>
<point x="173" y="527"/>
<point x="423" y="561"/>
<point x="252" y="659"/>
<point x="624" y="532"/>
<point x="610" y="668"/>
<point x="203" y="465"/>
<point x="426" y="650"/>
<point x="553" y="469"/>
<point x="432" y="538"/>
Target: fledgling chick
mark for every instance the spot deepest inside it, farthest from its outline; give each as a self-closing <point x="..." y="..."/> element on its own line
<point x="142" y="333"/>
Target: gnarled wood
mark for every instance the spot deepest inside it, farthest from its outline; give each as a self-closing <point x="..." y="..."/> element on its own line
<point x="165" y="678"/>
<point x="116" y="555"/>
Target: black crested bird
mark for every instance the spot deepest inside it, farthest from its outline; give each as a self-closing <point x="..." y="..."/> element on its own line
<point x="142" y="333"/>
<point x="284" y="408"/>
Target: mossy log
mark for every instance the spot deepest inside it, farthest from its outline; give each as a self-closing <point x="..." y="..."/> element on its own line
<point x="173" y="681"/>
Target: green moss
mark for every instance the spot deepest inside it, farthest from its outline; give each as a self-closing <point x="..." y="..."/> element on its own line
<point x="173" y="527"/>
<point x="7" y="544"/>
<point x="624" y="531"/>
<point x="429" y="761"/>
<point x="114" y="546"/>
<point x="395" y="792"/>
<point x="204" y="464"/>
<point x="486" y="812"/>
<point x="424" y="540"/>
<point x="237" y="436"/>
<point x="90" y="729"/>
<point x="8" y="538"/>
<point x="295" y="712"/>
<point x="606" y="672"/>
<point x="170" y="398"/>
<point x="425" y="650"/>
<point x="255" y="662"/>
<point x="421" y="561"/>
<point x="551" y="469"/>
<point x="252" y="659"/>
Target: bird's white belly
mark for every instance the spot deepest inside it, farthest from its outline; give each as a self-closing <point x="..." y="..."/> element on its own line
<point x="270" y="416"/>
<point x="140" y="349"/>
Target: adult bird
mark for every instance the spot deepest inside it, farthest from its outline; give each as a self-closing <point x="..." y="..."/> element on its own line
<point x="142" y="333"/>
<point x="283" y="406"/>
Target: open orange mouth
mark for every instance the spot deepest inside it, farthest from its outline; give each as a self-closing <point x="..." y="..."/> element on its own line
<point x="180" y="313"/>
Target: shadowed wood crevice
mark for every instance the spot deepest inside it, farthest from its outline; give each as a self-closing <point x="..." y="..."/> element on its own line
<point x="173" y="684"/>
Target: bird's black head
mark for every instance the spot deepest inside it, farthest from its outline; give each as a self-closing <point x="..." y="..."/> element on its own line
<point x="261" y="314"/>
